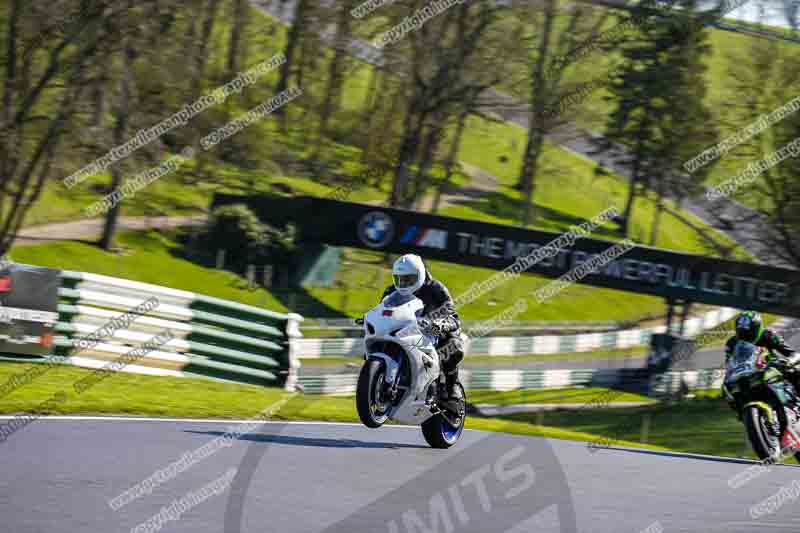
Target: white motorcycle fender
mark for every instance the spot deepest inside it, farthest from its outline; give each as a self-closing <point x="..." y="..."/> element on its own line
<point x="391" y="366"/>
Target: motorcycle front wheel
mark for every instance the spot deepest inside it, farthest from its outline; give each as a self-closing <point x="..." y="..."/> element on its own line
<point x="440" y="432"/>
<point x="761" y="434"/>
<point x="371" y="405"/>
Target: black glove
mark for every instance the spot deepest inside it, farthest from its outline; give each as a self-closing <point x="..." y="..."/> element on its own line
<point x="429" y="327"/>
<point x="781" y="364"/>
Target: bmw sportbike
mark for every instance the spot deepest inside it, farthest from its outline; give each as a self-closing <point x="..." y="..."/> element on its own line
<point x="401" y="378"/>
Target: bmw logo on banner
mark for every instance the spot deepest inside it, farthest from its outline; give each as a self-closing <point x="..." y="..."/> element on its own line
<point x="376" y="229"/>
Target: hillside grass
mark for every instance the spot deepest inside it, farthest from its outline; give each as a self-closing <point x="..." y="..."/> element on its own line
<point x="563" y="179"/>
<point x="729" y="55"/>
<point x="156" y="257"/>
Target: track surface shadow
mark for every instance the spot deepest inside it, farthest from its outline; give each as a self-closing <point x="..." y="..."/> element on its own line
<point x="313" y="441"/>
<point x="696" y="457"/>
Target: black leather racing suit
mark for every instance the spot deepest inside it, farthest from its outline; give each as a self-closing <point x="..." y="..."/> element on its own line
<point x="769" y="340"/>
<point x="440" y="309"/>
<point x="778" y="352"/>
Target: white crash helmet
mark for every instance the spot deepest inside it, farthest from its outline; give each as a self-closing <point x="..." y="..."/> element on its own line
<point x="408" y="274"/>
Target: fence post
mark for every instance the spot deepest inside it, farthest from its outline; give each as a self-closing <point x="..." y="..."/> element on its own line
<point x="292" y="333"/>
<point x="645" y="432"/>
<point x="251" y="276"/>
<point x="220" y="259"/>
<point x="268" y="276"/>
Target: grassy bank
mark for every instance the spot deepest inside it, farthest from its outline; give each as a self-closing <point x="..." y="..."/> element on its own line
<point x="156" y="257"/>
<point x="705" y="425"/>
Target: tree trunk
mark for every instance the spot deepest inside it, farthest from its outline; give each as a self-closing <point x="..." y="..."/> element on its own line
<point x="537" y="127"/>
<point x="24" y="194"/>
<point x="659" y="211"/>
<point x="634" y="183"/>
<point x="98" y="94"/>
<point x="656" y="222"/>
<point x="9" y="147"/>
<point x="636" y="178"/>
<point x="530" y="166"/>
<point x="452" y="155"/>
<point x="239" y="21"/>
<point x="292" y="40"/>
<point x="373" y="96"/>
<point x="333" y="90"/>
<point x="120" y="131"/>
<point x="408" y="149"/>
<point x="427" y="160"/>
<point x="201" y="58"/>
<point x="190" y="41"/>
<point x="389" y="115"/>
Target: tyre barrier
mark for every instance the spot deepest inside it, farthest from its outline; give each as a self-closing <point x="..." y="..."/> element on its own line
<point x="101" y="318"/>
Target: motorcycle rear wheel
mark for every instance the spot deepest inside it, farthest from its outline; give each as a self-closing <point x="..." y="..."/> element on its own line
<point x="439" y="432"/>
<point x="369" y="401"/>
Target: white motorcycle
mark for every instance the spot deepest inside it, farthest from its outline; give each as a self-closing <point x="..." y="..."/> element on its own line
<point x="400" y="378"/>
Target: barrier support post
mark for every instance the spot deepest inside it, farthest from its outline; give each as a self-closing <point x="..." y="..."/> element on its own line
<point x="292" y="333"/>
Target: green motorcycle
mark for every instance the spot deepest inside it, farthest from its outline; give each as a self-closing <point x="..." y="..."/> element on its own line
<point x="763" y="396"/>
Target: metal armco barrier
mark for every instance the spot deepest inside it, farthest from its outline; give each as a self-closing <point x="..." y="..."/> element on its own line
<point x="508" y="380"/>
<point x="213" y="338"/>
<point x="541" y="344"/>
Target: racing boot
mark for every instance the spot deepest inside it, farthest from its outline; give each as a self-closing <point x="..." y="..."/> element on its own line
<point x="452" y="397"/>
<point x="451" y="384"/>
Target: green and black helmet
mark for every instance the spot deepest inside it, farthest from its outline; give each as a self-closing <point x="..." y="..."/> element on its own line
<point x="749" y="326"/>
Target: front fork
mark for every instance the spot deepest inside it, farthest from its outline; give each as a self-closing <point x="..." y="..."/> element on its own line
<point x="785" y="408"/>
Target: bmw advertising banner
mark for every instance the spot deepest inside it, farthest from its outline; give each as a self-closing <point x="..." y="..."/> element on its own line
<point x="641" y="269"/>
<point x="28" y="308"/>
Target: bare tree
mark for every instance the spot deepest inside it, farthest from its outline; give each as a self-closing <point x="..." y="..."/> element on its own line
<point x="552" y="48"/>
<point x="52" y="76"/>
<point x="336" y="66"/>
<point x="301" y="14"/>
<point x="122" y="110"/>
<point x="202" y="49"/>
<point x="448" y="65"/>
<point x="240" y="16"/>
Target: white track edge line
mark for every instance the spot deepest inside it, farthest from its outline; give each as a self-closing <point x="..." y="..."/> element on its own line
<point x="204" y="420"/>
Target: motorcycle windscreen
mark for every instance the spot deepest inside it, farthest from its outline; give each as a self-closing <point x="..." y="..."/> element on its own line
<point x="743" y="361"/>
<point x="396" y="300"/>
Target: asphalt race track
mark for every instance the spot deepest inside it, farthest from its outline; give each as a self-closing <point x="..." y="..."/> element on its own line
<point x="58" y="475"/>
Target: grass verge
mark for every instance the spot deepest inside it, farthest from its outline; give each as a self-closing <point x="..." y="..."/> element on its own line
<point x="705" y="425"/>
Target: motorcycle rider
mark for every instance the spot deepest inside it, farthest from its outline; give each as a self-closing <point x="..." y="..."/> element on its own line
<point x="750" y="328"/>
<point x="439" y="316"/>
